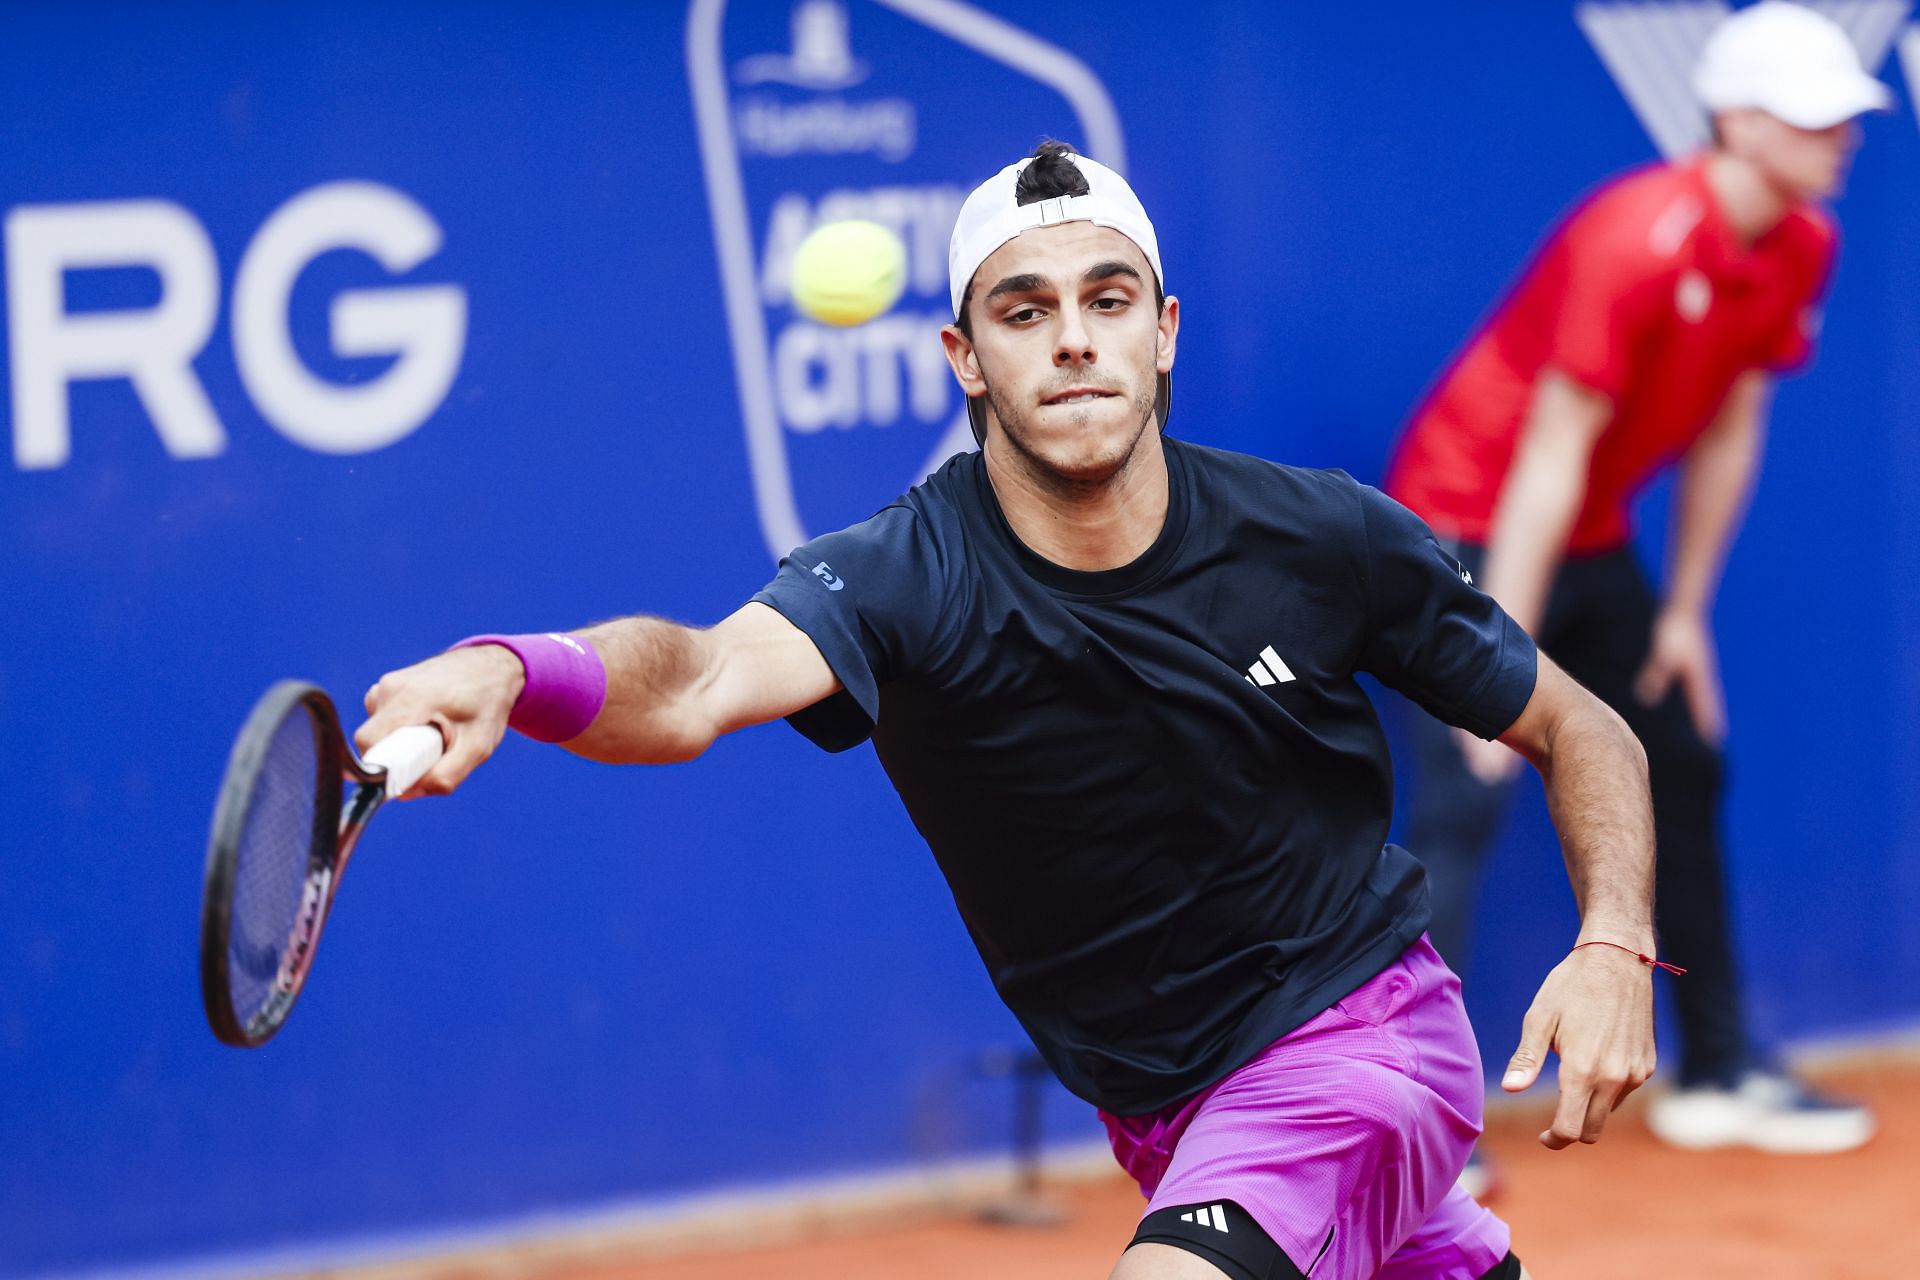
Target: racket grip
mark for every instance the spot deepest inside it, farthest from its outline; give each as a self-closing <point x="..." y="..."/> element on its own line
<point x="406" y="755"/>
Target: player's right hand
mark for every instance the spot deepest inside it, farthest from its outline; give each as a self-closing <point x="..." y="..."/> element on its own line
<point x="467" y="694"/>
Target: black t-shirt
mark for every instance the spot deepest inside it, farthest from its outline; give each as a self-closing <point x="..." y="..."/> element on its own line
<point x="1157" y="792"/>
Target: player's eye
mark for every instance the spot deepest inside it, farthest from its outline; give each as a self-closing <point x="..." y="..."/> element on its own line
<point x="1110" y="302"/>
<point x="1022" y="315"/>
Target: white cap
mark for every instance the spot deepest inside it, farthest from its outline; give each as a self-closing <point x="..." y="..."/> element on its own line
<point x="993" y="215"/>
<point x="1790" y="62"/>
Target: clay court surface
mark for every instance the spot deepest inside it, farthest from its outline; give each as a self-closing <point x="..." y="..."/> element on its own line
<point x="1625" y="1208"/>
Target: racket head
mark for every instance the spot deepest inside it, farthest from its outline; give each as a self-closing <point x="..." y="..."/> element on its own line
<point x="273" y="857"/>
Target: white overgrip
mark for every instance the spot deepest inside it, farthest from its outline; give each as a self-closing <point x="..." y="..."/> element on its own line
<point x="406" y="754"/>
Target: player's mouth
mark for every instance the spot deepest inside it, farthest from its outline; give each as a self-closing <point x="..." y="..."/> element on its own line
<point x="1079" y="395"/>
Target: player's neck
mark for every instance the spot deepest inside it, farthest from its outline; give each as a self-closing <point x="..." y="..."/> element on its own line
<point x="1752" y="205"/>
<point x="1087" y="526"/>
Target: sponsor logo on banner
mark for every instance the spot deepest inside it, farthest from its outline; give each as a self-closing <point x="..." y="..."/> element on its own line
<point x="1650" y="51"/>
<point x="411" y="337"/>
<point x="891" y="110"/>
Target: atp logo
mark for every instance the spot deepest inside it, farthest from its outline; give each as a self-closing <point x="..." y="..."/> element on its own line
<point x="890" y="110"/>
<point x="1650" y="51"/>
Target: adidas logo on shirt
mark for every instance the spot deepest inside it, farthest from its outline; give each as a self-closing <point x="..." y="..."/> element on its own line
<point x="1268" y="670"/>
<point x="1200" y="1217"/>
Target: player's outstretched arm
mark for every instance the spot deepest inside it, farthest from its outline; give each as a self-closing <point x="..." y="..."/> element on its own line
<point x="670" y="691"/>
<point x="1595" y="1008"/>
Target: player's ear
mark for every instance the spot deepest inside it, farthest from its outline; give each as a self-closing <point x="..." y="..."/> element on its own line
<point x="1167" y="340"/>
<point x="962" y="359"/>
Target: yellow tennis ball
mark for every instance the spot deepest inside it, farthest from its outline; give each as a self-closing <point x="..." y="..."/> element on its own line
<point x="847" y="273"/>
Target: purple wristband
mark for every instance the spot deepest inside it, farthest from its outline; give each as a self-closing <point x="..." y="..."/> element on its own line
<point x="566" y="684"/>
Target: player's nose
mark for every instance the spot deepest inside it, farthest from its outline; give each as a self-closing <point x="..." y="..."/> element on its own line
<point x="1073" y="344"/>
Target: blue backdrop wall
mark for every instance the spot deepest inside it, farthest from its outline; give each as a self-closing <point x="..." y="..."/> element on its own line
<point x="334" y="334"/>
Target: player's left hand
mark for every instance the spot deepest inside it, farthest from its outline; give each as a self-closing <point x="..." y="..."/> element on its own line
<point x="1683" y="651"/>
<point x="1596" y="1011"/>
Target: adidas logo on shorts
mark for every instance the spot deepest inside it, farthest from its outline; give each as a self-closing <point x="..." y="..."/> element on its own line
<point x="1199" y="1217"/>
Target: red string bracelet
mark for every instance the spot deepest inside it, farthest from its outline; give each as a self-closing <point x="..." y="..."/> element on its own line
<point x="1643" y="959"/>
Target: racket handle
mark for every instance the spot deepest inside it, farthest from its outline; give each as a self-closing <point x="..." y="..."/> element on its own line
<point x="406" y="755"/>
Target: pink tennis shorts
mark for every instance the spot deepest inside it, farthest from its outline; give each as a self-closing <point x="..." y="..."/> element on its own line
<point x="1343" y="1138"/>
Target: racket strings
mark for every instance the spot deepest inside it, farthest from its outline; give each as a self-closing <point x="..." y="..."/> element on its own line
<point x="272" y="897"/>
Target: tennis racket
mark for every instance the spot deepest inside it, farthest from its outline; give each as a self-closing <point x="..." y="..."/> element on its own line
<point x="292" y="806"/>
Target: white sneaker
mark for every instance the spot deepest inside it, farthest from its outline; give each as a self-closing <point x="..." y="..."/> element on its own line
<point x="1767" y="1112"/>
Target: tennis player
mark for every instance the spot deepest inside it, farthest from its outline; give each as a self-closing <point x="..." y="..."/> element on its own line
<point x="1646" y="331"/>
<point x="1112" y="677"/>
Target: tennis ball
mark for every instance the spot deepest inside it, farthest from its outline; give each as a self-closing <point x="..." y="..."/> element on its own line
<point x="846" y="273"/>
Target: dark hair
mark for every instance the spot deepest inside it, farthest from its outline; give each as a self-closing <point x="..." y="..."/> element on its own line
<point x="1051" y="175"/>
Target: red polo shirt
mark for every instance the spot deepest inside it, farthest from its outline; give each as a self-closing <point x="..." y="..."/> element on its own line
<point x="1645" y="294"/>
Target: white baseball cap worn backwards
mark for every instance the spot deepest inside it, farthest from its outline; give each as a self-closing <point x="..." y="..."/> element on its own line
<point x="1790" y="62"/>
<point x="994" y="215"/>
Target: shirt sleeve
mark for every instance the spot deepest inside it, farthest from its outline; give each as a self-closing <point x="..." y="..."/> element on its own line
<point x="1603" y="300"/>
<point x="1431" y="634"/>
<point x="869" y="599"/>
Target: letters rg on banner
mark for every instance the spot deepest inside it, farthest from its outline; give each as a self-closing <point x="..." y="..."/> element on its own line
<point x="425" y="326"/>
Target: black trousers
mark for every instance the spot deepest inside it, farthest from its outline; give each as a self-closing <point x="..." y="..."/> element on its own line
<point x="1598" y="626"/>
